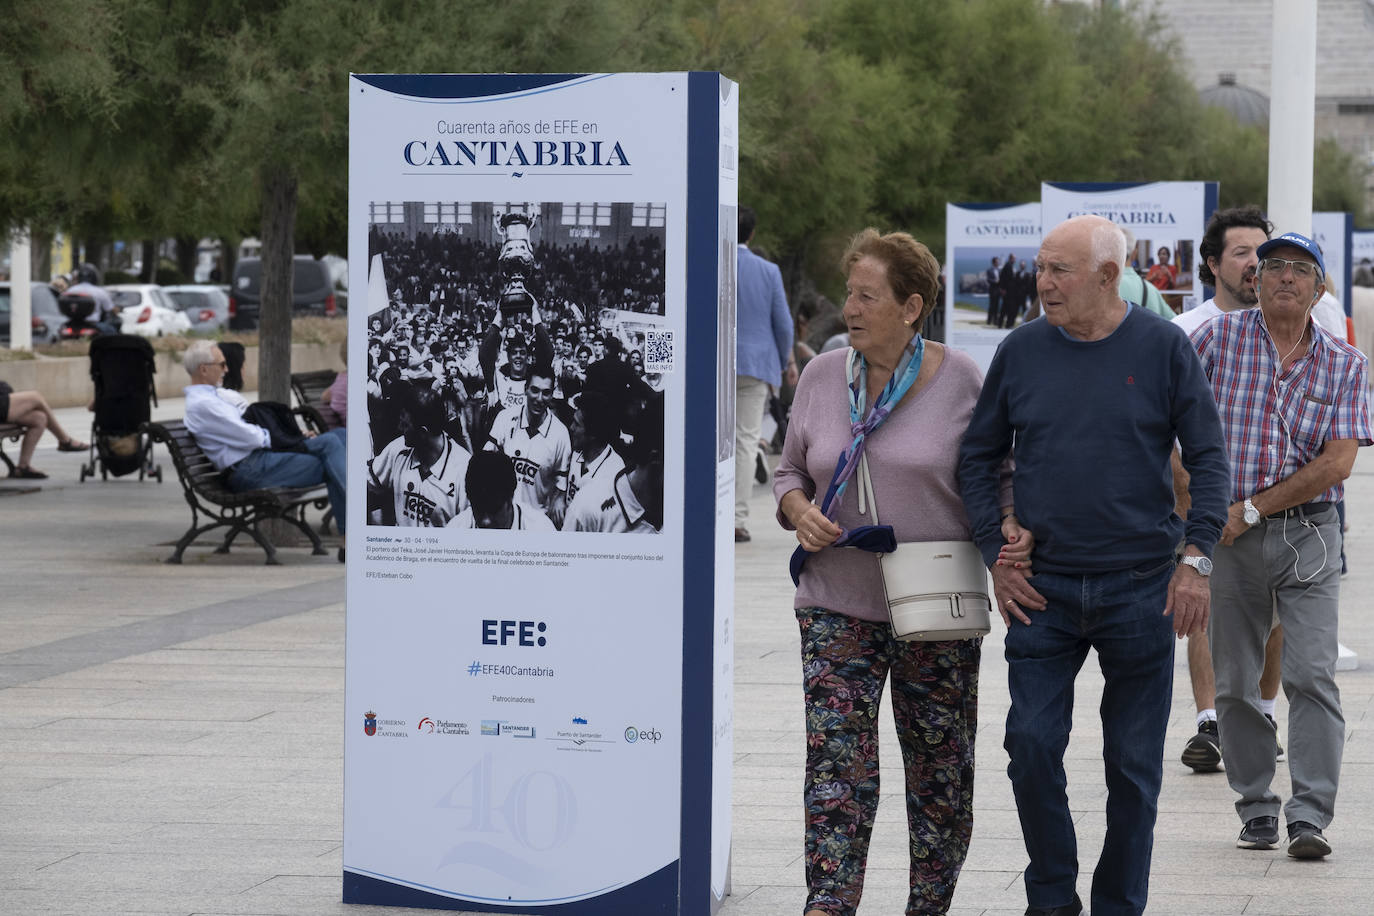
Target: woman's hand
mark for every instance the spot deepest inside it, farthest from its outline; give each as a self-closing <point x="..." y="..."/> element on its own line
<point x="1016" y="552"/>
<point x="815" y="532"/>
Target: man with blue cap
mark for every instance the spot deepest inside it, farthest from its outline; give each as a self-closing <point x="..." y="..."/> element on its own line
<point x="1294" y="407"/>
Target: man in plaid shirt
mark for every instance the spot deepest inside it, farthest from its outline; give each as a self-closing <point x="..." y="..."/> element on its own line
<point x="1294" y="408"/>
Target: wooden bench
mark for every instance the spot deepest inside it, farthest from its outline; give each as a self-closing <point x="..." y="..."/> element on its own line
<point x="309" y="388"/>
<point x="208" y="494"/>
<point x="14" y="432"/>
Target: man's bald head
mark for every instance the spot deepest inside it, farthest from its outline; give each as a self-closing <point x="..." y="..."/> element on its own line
<point x="1104" y="240"/>
<point x="1077" y="271"/>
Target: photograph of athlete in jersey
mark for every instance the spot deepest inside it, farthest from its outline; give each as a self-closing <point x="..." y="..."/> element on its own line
<point x="516" y="330"/>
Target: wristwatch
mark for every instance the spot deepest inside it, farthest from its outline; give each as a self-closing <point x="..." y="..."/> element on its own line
<point x="1201" y="564"/>
<point x="1251" y="516"/>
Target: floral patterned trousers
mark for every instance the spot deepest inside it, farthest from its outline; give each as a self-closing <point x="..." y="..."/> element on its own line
<point x="935" y="703"/>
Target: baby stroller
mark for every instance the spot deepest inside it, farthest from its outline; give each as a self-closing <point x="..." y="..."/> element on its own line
<point x="122" y="368"/>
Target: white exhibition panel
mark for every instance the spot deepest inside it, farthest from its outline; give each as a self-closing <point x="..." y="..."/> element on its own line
<point x="1160" y="214"/>
<point x="514" y="698"/>
<point x="974" y="235"/>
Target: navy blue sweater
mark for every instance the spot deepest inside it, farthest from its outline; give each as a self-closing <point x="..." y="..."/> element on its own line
<point x="1092" y="425"/>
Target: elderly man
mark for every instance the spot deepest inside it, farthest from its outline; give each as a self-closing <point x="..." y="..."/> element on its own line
<point x="1227" y="261"/>
<point x="1091" y="401"/>
<point x="1295" y="406"/>
<point x="244" y="450"/>
<point x="763" y="349"/>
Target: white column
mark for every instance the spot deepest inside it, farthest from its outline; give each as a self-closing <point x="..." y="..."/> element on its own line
<point x="21" y="307"/>
<point x="1292" y="114"/>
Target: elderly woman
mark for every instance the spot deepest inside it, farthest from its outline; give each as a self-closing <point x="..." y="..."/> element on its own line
<point x="30" y="409"/>
<point x="912" y="400"/>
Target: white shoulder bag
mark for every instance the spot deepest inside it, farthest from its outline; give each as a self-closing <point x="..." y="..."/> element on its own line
<point x="935" y="590"/>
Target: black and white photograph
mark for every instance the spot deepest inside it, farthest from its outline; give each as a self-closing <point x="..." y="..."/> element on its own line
<point x="507" y="384"/>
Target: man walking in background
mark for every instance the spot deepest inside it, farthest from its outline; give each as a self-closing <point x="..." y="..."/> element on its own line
<point x="1227" y="261"/>
<point x="1294" y="404"/>
<point x="763" y="348"/>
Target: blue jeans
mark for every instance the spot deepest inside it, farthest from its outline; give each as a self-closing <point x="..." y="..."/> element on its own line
<point x="323" y="461"/>
<point x="1121" y="615"/>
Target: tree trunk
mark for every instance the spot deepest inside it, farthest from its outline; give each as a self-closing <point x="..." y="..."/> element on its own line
<point x="148" y="273"/>
<point x="186" y="257"/>
<point x="278" y="233"/>
<point x="228" y="257"/>
<point x="40" y="254"/>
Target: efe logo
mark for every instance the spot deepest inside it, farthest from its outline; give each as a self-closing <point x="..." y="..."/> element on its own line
<point x="521" y="632"/>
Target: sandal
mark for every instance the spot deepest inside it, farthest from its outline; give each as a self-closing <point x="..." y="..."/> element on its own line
<point x="28" y="474"/>
<point x="71" y="445"/>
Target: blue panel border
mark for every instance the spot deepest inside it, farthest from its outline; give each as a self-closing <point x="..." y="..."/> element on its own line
<point x="699" y="511"/>
<point x="652" y="895"/>
<point x="1211" y="195"/>
<point x="1346" y="281"/>
<point x="1097" y="185"/>
<point x="456" y="86"/>
<point x="988" y="206"/>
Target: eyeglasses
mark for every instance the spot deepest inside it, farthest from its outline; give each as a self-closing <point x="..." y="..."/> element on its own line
<point x="1273" y="267"/>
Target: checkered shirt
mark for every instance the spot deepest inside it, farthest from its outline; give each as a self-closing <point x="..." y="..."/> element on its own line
<point x="1274" y="424"/>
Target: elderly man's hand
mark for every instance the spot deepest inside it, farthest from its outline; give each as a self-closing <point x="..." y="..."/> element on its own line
<point x="1013" y="592"/>
<point x="1190" y="601"/>
<point x="1235" y="524"/>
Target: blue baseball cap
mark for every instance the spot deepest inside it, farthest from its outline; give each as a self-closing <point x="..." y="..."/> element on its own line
<point x="1293" y="240"/>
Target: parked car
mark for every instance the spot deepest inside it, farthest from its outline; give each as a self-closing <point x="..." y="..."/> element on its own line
<point x="46" y="318"/>
<point x="313" y="291"/>
<point x="145" y="310"/>
<point x="206" y="306"/>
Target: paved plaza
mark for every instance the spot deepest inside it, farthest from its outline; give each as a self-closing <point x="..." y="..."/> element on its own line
<point x="173" y="735"/>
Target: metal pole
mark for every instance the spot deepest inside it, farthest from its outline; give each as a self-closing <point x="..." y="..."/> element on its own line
<point x="1292" y="114"/>
<point x="21" y="306"/>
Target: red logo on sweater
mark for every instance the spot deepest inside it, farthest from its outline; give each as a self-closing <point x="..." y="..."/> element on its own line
<point x="1130" y="380"/>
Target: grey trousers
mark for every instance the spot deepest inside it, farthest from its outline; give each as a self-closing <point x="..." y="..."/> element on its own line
<point x="1252" y="579"/>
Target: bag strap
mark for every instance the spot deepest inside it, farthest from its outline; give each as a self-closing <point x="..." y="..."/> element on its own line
<point x="866" y="490"/>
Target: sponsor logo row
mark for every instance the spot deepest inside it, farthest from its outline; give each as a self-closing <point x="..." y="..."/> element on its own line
<point x="578" y="735"/>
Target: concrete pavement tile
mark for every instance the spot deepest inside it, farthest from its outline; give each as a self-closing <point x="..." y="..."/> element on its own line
<point x="119" y="872"/>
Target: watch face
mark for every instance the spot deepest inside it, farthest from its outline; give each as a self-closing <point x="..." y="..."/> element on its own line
<point x="1203" y="565"/>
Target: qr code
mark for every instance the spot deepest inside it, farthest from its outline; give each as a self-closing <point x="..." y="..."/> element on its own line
<point x="658" y="351"/>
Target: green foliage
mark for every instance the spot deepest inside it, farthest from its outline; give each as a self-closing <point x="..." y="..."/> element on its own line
<point x="150" y="118"/>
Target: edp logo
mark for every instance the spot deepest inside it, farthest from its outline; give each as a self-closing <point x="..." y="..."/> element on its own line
<point x="635" y="735"/>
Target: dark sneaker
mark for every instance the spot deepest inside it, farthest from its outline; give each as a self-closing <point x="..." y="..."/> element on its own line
<point x="1203" y="750"/>
<point x="1279" y="754"/>
<point x="1305" y="841"/>
<point x="1260" y="833"/>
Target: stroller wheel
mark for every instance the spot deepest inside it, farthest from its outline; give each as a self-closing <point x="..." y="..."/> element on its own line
<point x="83" y="474"/>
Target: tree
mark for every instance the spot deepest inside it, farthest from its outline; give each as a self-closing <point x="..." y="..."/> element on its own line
<point x="57" y="88"/>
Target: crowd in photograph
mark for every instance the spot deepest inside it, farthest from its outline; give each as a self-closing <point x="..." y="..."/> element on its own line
<point x="503" y="397"/>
